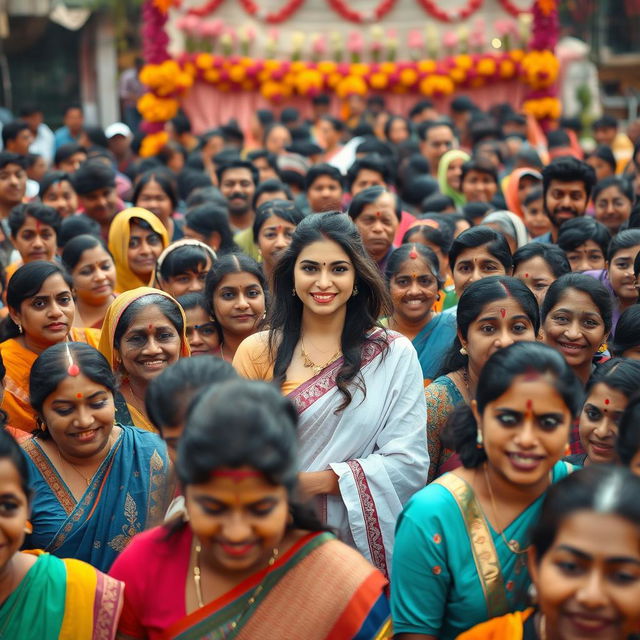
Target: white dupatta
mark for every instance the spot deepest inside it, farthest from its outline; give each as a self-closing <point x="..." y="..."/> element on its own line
<point x="377" y="445"/>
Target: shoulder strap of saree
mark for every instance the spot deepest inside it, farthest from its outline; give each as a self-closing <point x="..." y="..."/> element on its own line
<point x="485" y="555"/>
<point x="50" y="475"/>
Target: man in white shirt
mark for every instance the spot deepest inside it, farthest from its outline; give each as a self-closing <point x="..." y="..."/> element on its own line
<point x="43" y="139"/>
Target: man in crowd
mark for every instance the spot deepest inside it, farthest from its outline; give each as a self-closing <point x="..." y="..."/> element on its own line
<point x="566" y="187"/>
<point x="95" y="184"/>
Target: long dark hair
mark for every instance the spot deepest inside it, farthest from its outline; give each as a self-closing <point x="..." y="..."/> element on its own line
<point x="472" y="301"/>
<point x="363" y="310"/>
<point x="262" y="436"/>
<point x="601" y="488"/>
<point x="496" y="378"/>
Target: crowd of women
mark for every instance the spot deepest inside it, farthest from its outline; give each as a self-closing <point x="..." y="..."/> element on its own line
<point x="414" y="415"/>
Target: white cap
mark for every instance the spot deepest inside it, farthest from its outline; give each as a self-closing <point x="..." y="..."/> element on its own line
<point x="117" y="129"/>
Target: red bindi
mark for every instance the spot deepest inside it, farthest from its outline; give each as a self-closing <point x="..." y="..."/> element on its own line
<point x="378" y="214"/>
<point x="526" y="275"/>
<point x="150" y="327"/>
<point x="279" y="228"/>
<point x="503" y="312"/>
<point x="38" y="226"/>
<point x="607" y="401"/>
<point x="79" y="396"/>
<point x="529" y="404"/>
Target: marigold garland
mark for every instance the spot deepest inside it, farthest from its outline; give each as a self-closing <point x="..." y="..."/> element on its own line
<point x="351" y="15"/>
<point x="279" y="79"/>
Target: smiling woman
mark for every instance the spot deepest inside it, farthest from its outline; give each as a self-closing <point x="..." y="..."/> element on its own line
<point x="584" y="563"/>
<point x="41" y="311"/>
<point x="143" y="333"/>
<point x="459" y="556"/>
<point x="358" y="388"/>
<point x="95" y="484"/>
<point x="137" y="237"/>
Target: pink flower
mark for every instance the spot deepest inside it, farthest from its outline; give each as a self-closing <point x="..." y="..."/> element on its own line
<point x="211" y="28"/>
<point x="478" y="36"/>
<point x="506" y="27"/>
<point x="319" y="45"/>
<point x="415" y="40"/>
<point x="189" y="24"/>
<point x="450" y="39"/>
<point x="355" y="42"/>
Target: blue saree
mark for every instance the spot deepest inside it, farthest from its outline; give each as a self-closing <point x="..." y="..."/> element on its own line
<point x="433" y="342"/>
<point x="129" y="493"/>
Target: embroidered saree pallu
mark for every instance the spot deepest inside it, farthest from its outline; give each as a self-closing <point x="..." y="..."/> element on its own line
<point x="319" y="590"/>
<point x="129" y="492"/>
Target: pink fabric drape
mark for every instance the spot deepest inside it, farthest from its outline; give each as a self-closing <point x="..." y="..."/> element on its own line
<point x="207" y="107"/>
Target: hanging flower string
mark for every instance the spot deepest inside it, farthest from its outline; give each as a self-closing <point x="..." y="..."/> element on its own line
<point x="463" y="13"/>
<point x="275" y="17"/>
<point x="542" y="66"/>
<point x="350" y="14"/>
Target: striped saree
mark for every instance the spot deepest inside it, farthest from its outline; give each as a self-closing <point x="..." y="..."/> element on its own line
<point x="319" y="590"/>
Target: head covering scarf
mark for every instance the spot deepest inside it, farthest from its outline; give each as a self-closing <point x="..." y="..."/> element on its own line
<point x="510" y="224"/>
<point x="114" y="313"/>
<point x="511" y="188"/>
<point x="184" y="242"/>
<point x="445" y="161"/>
<point x="119" y="234"/>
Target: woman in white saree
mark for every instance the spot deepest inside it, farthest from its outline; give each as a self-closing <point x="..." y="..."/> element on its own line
<point x="358" y="388"/>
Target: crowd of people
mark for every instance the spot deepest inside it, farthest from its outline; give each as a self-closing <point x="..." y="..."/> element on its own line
<point x="360" y="378"/>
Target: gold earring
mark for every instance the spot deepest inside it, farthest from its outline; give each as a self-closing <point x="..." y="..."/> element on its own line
<point x="28" y="528"/>
<point x="355" y="291"/>
<point x="463" y="351"/>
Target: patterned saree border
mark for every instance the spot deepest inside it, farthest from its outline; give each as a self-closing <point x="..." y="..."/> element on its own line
<point x="484" y="551"/>
<point x="107" y="607"/>
<point x="50" y="475"/>
<point x="317" y="386"/>
<point x="371" y="519"/>
<point x="231" y="605"/>
<point x="89" y="502"/>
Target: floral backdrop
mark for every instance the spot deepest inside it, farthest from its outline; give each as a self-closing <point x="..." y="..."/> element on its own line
<point x="519" y="48"/>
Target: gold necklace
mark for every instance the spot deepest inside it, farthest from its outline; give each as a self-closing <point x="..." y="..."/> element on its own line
<point x="512" y="545"/>
<point x="310" y="364"/>
<point x="73" y="466"/>
<point x="197" y="580"/>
